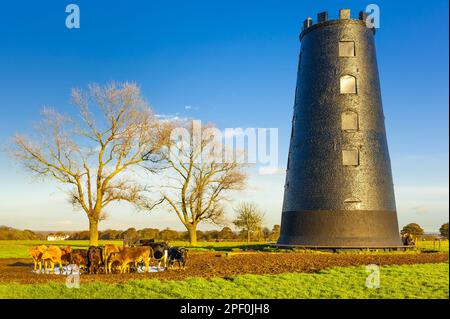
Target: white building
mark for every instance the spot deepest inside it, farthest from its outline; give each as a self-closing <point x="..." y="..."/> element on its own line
<point x="57" y="237"/>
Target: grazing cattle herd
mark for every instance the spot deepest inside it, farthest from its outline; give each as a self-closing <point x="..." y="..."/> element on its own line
<point x="109" y="258"/>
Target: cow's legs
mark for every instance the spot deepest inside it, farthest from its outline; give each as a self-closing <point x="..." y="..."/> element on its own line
<point x="124" y="268"/>
<point x="105" y="260"/>
<point x="165" y="258"/>
<point x="52" y="266"/>
<point x="47" y="265"/>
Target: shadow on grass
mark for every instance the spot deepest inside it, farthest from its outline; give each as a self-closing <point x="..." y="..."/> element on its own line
<point x="20" y="264"/>
<point x="263" y="247"/>
<point x="237" y="247"/>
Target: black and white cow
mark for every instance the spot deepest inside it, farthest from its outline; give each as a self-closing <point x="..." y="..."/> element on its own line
<point x="177" y="254"/>
<point x="160" y="250"/>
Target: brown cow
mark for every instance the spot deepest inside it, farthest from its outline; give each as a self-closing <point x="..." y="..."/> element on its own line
<point x="36" y="254"/>
<point x="52" y="256"/>
<point x="108" y="249"/>
<point x="129" y="255"/>
<point x="79" y="258"/>
<point x="56" y="255"/>
<point x="95" y="259"/>
<point x="66" y="254"/>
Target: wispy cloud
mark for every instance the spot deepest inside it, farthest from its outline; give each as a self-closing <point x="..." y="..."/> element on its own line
<point x="425" y="205"/>
<point x="420" y="210"/>
<point x="171" y="117"/>
<point x="64" y="222"/>
<point x="190" y="107"/>
<point x="271" y="171"/>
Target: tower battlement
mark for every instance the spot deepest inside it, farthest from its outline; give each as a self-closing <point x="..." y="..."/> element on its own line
<point x="322" y="20"/>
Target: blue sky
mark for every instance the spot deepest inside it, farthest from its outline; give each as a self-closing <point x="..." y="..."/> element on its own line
<point x="234" y="63"/>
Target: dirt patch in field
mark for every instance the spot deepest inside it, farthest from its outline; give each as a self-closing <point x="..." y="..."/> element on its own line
<point x="210" y="264"/>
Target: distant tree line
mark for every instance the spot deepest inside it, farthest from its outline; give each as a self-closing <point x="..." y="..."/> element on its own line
<point x="225" y="234"/>
<point x="9" y="233"/>
<point x="444" y="230"/>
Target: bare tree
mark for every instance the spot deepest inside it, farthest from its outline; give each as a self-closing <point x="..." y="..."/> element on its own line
<point x="96" y="156"/>
<point x="249" y="218"/>
<point x="199" y="178"/>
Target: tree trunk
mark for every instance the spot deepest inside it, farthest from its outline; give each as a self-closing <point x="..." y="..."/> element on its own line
<point x="248" y="235"/>
<point x="192" y="230"/>
<point x="93" y="232"/>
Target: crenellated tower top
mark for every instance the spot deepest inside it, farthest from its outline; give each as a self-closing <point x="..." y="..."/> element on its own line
<point x="322" y="20"/>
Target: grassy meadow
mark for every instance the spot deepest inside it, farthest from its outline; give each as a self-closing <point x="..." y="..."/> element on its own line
<point x="396" y="282"/>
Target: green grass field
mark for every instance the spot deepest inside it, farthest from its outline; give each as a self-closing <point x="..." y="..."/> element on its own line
<point x="406" y="281"/>
<point x="442" y="246"/>
<point x="19" y="248"/>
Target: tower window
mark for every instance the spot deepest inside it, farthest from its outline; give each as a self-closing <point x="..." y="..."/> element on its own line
<point x="350" y="157"/>
<point x="300" y="60"/>
<point x="352" y="200"/>
<point x="346" y="48"/>
<point x="348" y="84"/>
<point x="349" y="121"/>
